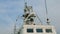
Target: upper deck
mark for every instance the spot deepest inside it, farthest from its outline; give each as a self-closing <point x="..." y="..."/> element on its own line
<point x="38" y="29"/>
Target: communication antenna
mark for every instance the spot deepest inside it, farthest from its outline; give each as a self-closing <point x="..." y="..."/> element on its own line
<point x="25" y="2"/>
<point x="47" y="13"/>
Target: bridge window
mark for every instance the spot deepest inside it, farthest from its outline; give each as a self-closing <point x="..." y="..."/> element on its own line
<point x="49" y="30"/>
<point x="39" y="30"/>
<point x="30" y="30"/>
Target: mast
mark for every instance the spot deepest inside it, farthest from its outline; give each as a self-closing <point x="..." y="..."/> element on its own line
<point x="28" y="15"/>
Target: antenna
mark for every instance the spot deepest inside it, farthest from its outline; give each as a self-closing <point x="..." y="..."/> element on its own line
<point x="47" y="13"/>
<point x="25" y="2"/>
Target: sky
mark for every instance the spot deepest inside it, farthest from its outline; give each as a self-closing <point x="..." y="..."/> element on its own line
<point x="10" y="9"/>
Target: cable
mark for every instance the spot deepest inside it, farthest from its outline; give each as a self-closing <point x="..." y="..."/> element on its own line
<point x="38" y="18"/>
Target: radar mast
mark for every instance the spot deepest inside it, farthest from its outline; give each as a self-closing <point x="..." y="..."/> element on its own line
<point x="28" y="15"/>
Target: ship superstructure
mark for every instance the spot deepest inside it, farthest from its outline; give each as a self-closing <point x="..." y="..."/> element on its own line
<point x="29" y="27"/>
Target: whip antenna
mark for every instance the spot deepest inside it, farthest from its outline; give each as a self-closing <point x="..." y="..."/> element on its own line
<point x="47" y="13"/>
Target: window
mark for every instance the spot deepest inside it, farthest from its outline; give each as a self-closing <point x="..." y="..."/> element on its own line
<point x="39" y="30"/>
<point x="30" y="30"/>
<point x="49" y="30"/>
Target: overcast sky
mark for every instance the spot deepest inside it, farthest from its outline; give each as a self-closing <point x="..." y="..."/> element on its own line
<point x="10" y="9"/>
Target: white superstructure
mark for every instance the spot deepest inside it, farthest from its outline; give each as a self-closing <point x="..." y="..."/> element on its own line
<point x="38" y="29"/>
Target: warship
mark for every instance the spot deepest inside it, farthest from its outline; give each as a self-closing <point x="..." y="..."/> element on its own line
<point x="29" y="26"/>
